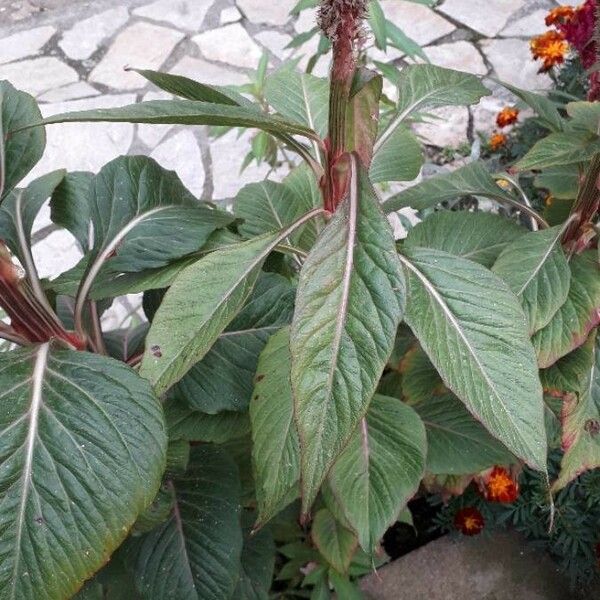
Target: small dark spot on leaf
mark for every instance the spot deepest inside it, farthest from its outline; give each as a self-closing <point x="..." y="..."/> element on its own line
<point x="259" y="378"/>
<point x="593" y="427"/>
<point x="39" y="520"/>
<point x="156" y="351"/>
<point x="256" y="397"/>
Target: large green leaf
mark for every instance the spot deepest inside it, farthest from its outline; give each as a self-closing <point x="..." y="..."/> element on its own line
<point x="545" y="108"/>
<point x="196" y="553"/>
<point x="572" y="323"/>
<point x="83" y="451"/>
<point x="479" y="236"/>
<point x="70" y="205"/>
<point x="560" y="149"/>
<point x="420" y="380"/>
<point x="457" y="444"/>
<point x="300" y="97"/>
<point x="561" y="181"/>
<point x="19" y="210"/>
<point x="146" y="215"/>
<point x="269" y="206"/>
<point x="222" y="380"/>
<point x="473" y="179"/>
<point x="275" y="450"/>
<point x="350" y="301"/>
<point x="425" y="87"/>
<point x="185" y="112"/>
<point x="257" y="564"/>
<point x="536" y="270"/>
<point x="335" y="543"/>
<point x="19" y="152"/>
<point x="185" y="423"/>
<point x="580" y="412"/>
<point x="380" y="469"/>
<point x="203" y="300"/>
<point x="475" y="333"/>
<point x="398" y="158"/>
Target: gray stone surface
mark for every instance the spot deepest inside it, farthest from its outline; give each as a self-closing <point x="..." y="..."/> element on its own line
<point x="528" y="26"/>
<point x="84" y="38"/>
<point x="487" y="17"/>
<point x="229" y="44"/>
<point x="201" y="70"/>
<point x="499" y="567"/>
<point x="183" y="14"/>
<point x="446" y="127"/>
<point x="273" y="13"/>
<point x="38" y="75"/>
<point x="72" y="91"/>
<point x="511" y="61"/>
<point x="141" y="45"/>
<point x="460" y="55"/>
<point x="24" y="43"/>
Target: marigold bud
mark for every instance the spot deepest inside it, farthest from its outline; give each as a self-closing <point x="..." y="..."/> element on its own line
<point x="497" y="141"/>
<point x="507" y="116"/>
<point x="469" y="521"/>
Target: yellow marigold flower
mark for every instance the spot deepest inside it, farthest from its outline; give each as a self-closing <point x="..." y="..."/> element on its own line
<point x="503" y="183"/>
<point x="550" y="47"/>
<point x="497" y="141"/>
<point x="560" y="15"/>
<point x="507" y="116"/>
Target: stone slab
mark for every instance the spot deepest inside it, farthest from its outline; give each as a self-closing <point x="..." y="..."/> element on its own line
<point x="84" y="38"/>
<point x="418" y="22"/>
<point x="152" y="135"/>
<point x="275" y="42"/>
<point x="24" y="43"/>
<point x="141" y="45"/>
<point x="272" y="13"/>
<point x="462" y="56"/>
<point x="73" y="91"/>
<point x="512" y="62"/>
<point x="83" y="146"/>
<point x="447" y="127"/>
<point x="487" y="17"/>
<point x="229" y="14"/>
<point x="230" y="44"/>
<point x="528" y="26"/>
<point x="38" y="75"/>
<point x="498" y="567"/>
<point x="180" y="153"/>
<point x="184" y="14"/>
<point x="200" y="70"/>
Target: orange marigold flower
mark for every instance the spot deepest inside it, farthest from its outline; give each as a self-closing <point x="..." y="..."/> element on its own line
<point x="560" y="15"/>
<point x="497" y="141"/>
<point x="501" y="487"/>
<point x="507" y="116"/>
<point x="551" y="47"/>
<point x="469" y="521"/>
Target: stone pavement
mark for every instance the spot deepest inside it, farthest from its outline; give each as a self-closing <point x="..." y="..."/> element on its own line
<point x="70" y="55"/>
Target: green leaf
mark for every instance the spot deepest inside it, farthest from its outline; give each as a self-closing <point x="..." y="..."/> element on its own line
<point x="19" y="152"/>
<point x="561" y="181"/>
<point x="420" y="380"/>
<point x="377" y="22"/>
<point x="258" y="562"/>
<point x="84" y="445"/>
<point x="475" y="333"/>
<point x="362" y="114"/>
<point x="222" y="380"/>
<point x="19" y="210"/>
<point x="380" y="469"/>
<point x="336" y="543"/>
<point x="473" y="179"/>
<point x="398" y="39"/>
<point x="559" y="149"/>
<point x="581" y="420"/>
<point x="343" y="587"/>
<point x="350" y="301"/>
<point x="196" y="553"/>
<point x="584" y="115"/>
<point x="146" y="215"/>
<point x="299" y="97"/>
<point x="398" y="158"/>
<point x="203" y="300"/>
<point x="545" y="108"/>
<point x="186" y="423"/>
<point x="184" y="87"/>
<point x="70" y="206"/>
<point x="479" y="236"/>
<point x="425" y="87"/>
<point x="186" y="112"/>
<point x="456" y="443"/>
<point x="572" y="323"/>
<point x="536" y="270"/>
<point x="275" y="450"/>
<point x="268" y="206"/>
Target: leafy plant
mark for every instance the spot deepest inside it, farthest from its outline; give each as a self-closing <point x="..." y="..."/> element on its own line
<point x="297" y="361"/>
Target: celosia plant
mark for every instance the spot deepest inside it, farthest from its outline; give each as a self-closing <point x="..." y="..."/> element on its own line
<point x="297" y="363"/>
